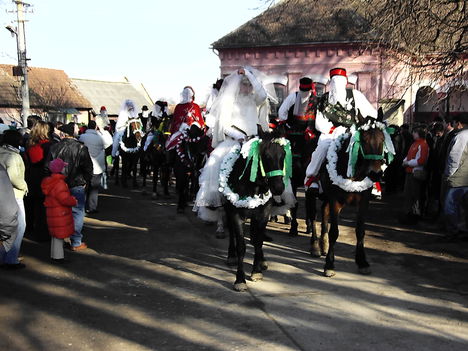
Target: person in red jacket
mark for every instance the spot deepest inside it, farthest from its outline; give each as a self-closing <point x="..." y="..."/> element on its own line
<point x="186" y="113"/>
<point x="416" y="175"/>
<point x="58" y="203"/>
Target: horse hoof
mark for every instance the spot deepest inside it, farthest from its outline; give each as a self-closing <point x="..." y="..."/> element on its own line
<point x="256" y="276"/>
<point x="264" y="265"/>
<point x="315" y="252"/>
<point x="220" y="235"/>
<point x="241" y="287"/>
<point x="329" y="273"/>
<point x="231" y="261"/>
<point x="365" y="270"/>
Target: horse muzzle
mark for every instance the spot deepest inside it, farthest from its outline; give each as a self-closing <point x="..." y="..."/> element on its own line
<point x="276" y="185"/>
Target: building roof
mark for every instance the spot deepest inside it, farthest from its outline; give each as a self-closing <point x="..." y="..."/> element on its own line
<point x="48" y="89"/>
<point x="111" y="94"/>
<point x="298" y="22"/>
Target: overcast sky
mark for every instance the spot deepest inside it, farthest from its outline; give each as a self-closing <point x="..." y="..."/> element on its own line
<point x="163" y="44"/>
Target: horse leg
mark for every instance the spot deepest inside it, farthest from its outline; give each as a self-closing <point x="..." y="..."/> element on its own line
<point x="324" y="228"/>
<point x="134" y="169"/>
<point x="311" y="212"/>
<point x="124" y="173"/>
<point x="363" y="265"/>
<point x="181" y="187"/>
<point x="237" y="230"/>
<point x="293" y="230"/>
<point x="259" y="263"/>
<point x="335" y="208"/>
<point x="220" y="234"/>
<point x="232" y="249"/>
<point x="155" y="179"/>
<point x="311" y="215"/>
<point x="165" y="178"/>
<point x="115" y="169"/>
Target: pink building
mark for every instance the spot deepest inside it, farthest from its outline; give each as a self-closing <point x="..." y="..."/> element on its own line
<point x="298" y="38"/>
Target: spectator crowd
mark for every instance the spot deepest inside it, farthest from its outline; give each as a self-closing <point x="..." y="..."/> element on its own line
<point x="51" y="173"/>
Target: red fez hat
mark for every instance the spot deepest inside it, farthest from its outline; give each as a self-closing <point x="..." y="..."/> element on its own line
<point x="337" y="72"/>
<point x="305" y="84"/>
<point x="103" y="108"/>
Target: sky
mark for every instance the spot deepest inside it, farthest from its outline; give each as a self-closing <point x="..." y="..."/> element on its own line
<point x="165" y="45"/>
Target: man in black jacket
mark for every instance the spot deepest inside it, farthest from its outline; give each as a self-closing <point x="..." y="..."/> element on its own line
<point x="78" y="172"/>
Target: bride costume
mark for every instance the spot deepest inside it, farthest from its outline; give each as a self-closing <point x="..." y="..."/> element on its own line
<point x="241" y="106"/>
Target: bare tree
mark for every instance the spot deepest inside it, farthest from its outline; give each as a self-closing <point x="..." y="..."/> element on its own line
<point x="429" y="36"/>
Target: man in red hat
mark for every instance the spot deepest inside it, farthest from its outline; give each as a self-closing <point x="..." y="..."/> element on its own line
<point x="186" y="113"/>
<point x="345" y="105"/>
<point x="102" y="120"/>
<point x="298" y="111"/>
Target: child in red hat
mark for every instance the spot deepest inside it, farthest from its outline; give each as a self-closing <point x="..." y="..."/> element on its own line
<point x="58" y="203"/>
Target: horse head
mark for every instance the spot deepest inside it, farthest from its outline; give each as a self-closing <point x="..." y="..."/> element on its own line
<point x="275" y="154"/>
<point x="371" y="147"/>
<point x="196" y="139"/>
<point x="135" y="127"/>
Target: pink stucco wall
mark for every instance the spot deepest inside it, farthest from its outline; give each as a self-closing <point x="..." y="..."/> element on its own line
<point x="382" y="81"/>
<point x="294" y="62"/>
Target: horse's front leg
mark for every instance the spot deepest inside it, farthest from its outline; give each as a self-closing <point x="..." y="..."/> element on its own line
<point x="335" y="208"/>
<point x="324" y="228"/>
<point x="155" y="168"/>
<point x="361" y="261"/>
<point x="293" y="231"/>
<point x="311" y="216"/>
<point x="232" y="249"/>
<point x="257" y="236"/>
<point x="236" y="231"/>
<point x="134" y="169"/>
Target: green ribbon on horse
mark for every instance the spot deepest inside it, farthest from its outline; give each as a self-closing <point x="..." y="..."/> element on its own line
<point x="287" y="168"/>
<point x="254" y="159"/>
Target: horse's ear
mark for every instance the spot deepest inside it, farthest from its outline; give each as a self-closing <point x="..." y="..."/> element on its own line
<point x="261" y="133"/>
<point x="360" y="119"/>
<point x="380" y="115"/>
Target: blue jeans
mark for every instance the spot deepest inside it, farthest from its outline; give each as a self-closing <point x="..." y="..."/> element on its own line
<point x="11" y="257"/>
<point x="453" y="200"/>
<point x="78" y="212"/>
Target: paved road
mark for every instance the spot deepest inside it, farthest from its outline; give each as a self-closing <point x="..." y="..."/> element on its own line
<point x="155" y="280"/>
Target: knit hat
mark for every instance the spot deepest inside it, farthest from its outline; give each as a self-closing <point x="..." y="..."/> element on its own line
<point x="57" y="165"/>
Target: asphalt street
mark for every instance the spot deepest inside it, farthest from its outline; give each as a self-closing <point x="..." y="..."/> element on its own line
<point x="153" y="279"/>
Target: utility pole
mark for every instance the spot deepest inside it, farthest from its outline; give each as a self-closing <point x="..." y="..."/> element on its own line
<point x="22" y="58"/>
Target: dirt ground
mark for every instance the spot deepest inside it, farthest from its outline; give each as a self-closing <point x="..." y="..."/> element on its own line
<point x="156" y="280"/>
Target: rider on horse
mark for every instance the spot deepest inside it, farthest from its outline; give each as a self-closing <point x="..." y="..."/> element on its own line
<point x="337" y="110"/>
<point x="238" y="111"/>
<point x="127" y="112"/>
<point x="186" y="113"/>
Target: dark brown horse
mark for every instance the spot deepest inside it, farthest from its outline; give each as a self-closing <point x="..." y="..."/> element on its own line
<point x="369" y="150"/>
<point x="251" y="178"/>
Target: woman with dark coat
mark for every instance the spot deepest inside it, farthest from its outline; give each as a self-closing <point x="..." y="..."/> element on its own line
<point x="37" y="149"/>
